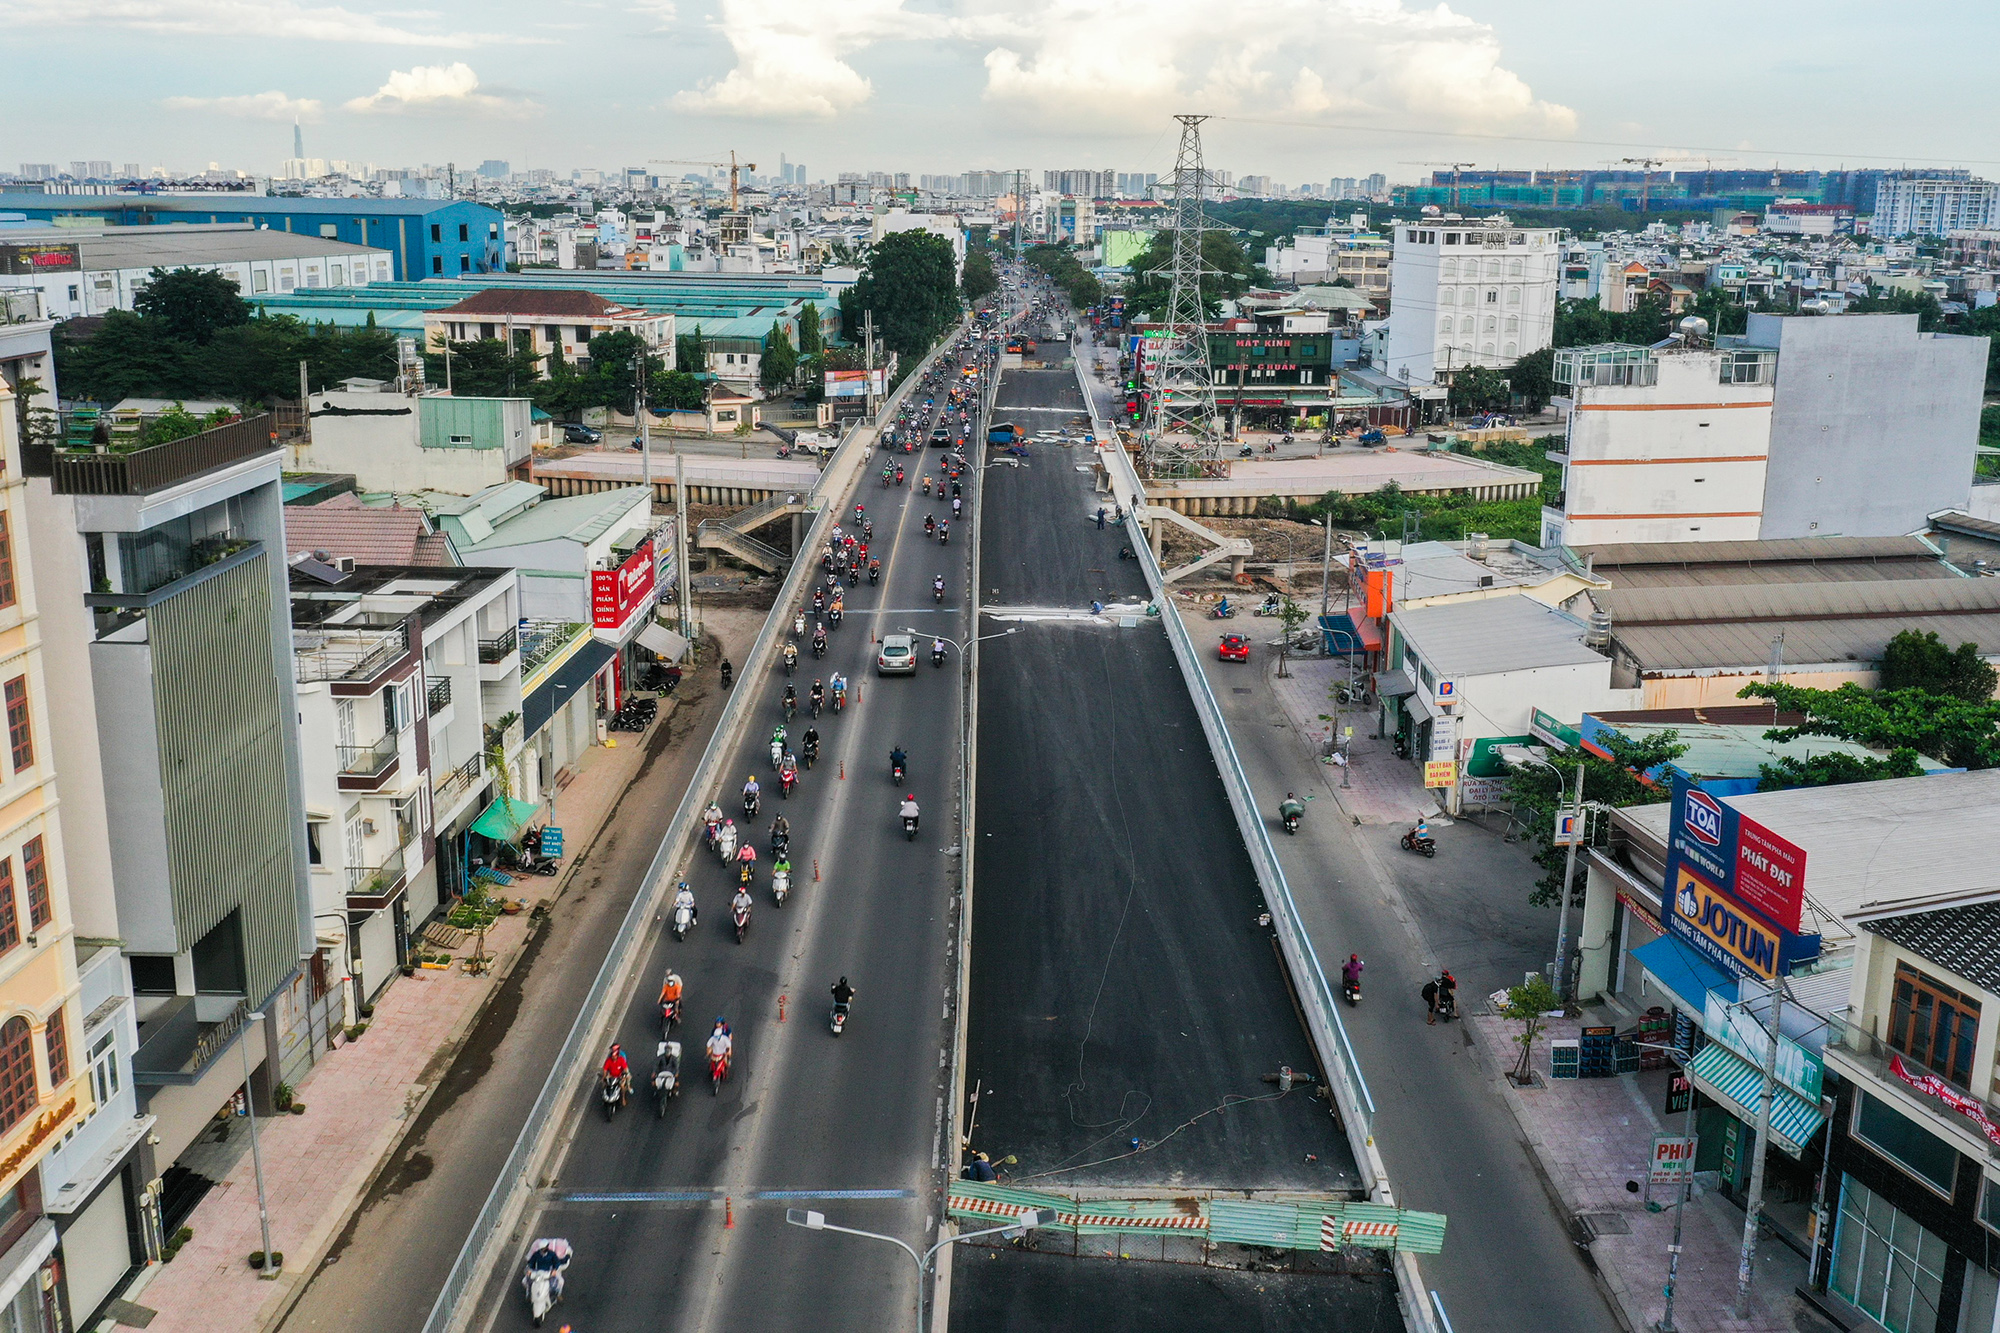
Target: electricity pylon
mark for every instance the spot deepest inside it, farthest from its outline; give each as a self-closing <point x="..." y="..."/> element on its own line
<point x="1180" y="437"/>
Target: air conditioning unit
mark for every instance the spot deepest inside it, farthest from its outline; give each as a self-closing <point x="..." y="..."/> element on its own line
<point x="345" y="564"/>
<point x="368" y="828"/>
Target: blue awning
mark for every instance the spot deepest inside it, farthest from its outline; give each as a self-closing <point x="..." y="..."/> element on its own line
<point x="1739" y="1087"/>
<point x="1675" y="965"/>
<point x="559" y="688"/>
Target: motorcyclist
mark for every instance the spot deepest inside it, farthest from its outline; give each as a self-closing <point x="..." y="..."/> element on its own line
<point x="819" y="600"/>
<point x="956" y="504"/>
<point x="751" y="791"/>
<point x="930" y="520"/>
<point x="898" y="761"/>
<point x="874" y="571"/>
<point x="819" y="638"/>
<point x="1350" y="971"/>
<point x="711" y="818"/>
<point x="810" y="743"/>
<point x="781" y="834"/>
<point x="741" y="902"/>
<point x="684" y="897"/>
<point x="616" y="1066"/>
<point x="728" y="672"/>
<point x="670" y="989"/>
<point x="937" y="650"/>
<point x="791" y="657"/>
<point x="1442" y="996"/>
<point x="720" y="1044"/>
<point x="937" y="585"/>
<point x="909" y="808"/>
<point x="1291" y="808"/>
<point x="1422" y="829"/>
<point x="944" y="531"/>
<point x="791" y="699"/>
<point x="818" y="696"/>
<point x="839" y="683"/>
<point x="843" y="994"/>
<point x="899" y="475"/>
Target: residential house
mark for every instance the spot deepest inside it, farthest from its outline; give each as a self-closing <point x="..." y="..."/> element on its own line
<point x="344" y="532"/>
<point x="1469" y="292"/>
<point x="548" y="322"/>
<point x="398" y="442"/>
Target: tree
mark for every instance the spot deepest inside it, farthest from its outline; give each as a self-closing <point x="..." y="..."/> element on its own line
<point x="1533" y="378"/>
<point x="192" y="303"/>
<point x="614" y="364"/>
<point x="673" y="390"/>
<point x="1476" y="389"/>
<point x="483" y="368"/>
<point x="911" y="287"/>
<point x="1291" y="615"/>
<point x="1897" y="301"/>
<point x="1835" y="770"/>
<point x="1914" y="661"/>
<point x="1965" y="734"/>
<point x="811" y="340"/>
<point x="176" y="423"/>
<point x="1529" y="1004"/>
<point x="779" y="365"/>
<point x="1232" y="272"/>
<point x="691" y="350"/>
<point x="979" y="279"/>
<point x="1537" y="793"/>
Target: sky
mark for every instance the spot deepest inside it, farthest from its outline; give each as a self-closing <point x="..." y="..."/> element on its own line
<point x="1300" y="90"/>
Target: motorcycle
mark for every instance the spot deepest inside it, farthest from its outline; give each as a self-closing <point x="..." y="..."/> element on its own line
<point x="874" y="575"/>
<point x="777" y="753"/>
<point x="683" y="920"/>
<point x="1291" y="821"/>
<point x="725" y="843"/>
<point x="854" y="577"/>
<point x="787" y="779"/>
<point x="819" y="646"/>
<point x="839" y="1019"/>
<point x="1413" y="843"/>
<point x="1447" y="1004"/>
<point x="1222" y="611"/>
<point x="1402" y="744"/>
<point x="791" y="707"/>
<point x="944" y="534"/>
<point x="1270" y="606"/>
<point x="781" y="886"/>
<point x="833" y="614"/>
<point x="666" y="1075"/>
<point x="937" y="593"/>
<point x="750" y="805"/>
<point x="895" y="774"/>
<point x="791" y="660"/>
<point x="718" y="1070"/>
<point x="670" y="1017"/>
<point x="839" y="700"/>
<point x="910" y="827"/>
<point x="811" y="753"/>
<point x="937" y="657"/>
<point x="542" y="1276"/>
<point x="1351" y="990"/>
<point x="611" y="1091"/>
<point x="741" y="916"/>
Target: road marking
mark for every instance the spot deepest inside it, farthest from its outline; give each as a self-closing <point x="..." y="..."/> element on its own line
<point x="709" y="1197"/>
<point x="833" y="1194"/>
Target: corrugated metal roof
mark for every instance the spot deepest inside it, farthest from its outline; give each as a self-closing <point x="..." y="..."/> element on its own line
<point x="1494" y="635"/>
<point x="1796" y="601"/>
<point x="1957" y="520"/>
<point x="1810" y="549"/>
<point x="1788" y="571"/>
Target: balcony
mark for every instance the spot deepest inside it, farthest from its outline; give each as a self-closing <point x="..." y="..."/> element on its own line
<point x="367" y="767"/>
<point x="175" y="1047"/>
<point x="439" y="696"/>
<point x="142" y="471"/>
<point x="499" y="648"/>
<point x="1860" y="1052"/>
<point x="456" y="785"/>
<point x="544" y="644"/>
<point x="356" y="656"/>
<point x="373" y="887"/>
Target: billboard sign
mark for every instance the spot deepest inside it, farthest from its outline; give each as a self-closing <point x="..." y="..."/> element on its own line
<point x="1797" y="1068"/>
<point x="19" y="259"/>
<point x="1673" y="1160"/>
<point x="1726" y="933"/>
<point x="1440" y="773"/>
<point x="1555" y="734"/>
<point x="853" y="383"/>
<point x="617" y="595"/>
<point x="1755" y="866"/>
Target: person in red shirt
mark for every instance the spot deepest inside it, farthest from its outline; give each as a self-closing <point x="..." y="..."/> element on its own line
<point x="616" y="1066"/>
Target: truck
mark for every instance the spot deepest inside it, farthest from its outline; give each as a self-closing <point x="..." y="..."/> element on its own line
<point x="1004" y="432"/>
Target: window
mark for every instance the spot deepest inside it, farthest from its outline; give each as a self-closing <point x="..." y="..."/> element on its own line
<point x="152" y="973"/>
<point x="553" y="333"/>
<point x="492" y="231"/>
<point x="329" y="230"/>
<point x="1884" y="1262"/>
<point x="437" y="261"/>
<point x="55" y="1036"/>
<point x="260" y="281"/>
<point x="1920" y="1152"/>
<point x="1492" y="298"/>
<point x="437" y="233"/>
<point x="35" y="871"/>
<point x="485" y="330"/>
<point x="104" y="1080"/>
<point x="20" y="739"/>
<point x="462" y="233"/>
<point x="465" y="263"/>
<point x="6" y="563"/>
<point x="1928" y="1021"/>
<point x="583" y="333"/>
<point x="17" y="1072"/>
<point x="315" y="830"/>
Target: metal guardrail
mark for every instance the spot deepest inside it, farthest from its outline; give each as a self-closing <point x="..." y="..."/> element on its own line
<point x="559" y="1093"/>
<point x="497" y="648"/>
<point x="161" y="465"/>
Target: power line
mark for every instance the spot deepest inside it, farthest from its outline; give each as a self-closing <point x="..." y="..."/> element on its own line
<point x="1735" y="150"/>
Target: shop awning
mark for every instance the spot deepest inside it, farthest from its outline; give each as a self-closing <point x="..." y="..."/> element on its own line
<point x="1419" y="708"/>
<point x="503" y="820"/>
<point x="1394" y="684"/>
<point x="557" y="690"/>
<point x="1739" y="1086"/>
<point x="662" y="642"/>
<point x="1684" y="972"/>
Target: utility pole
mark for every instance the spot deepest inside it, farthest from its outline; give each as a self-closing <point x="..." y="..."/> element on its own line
<point x="645" y="434"/>
<point x="1569" y="881"/>
<point x="1753" y="1212"/>
<point x="868" y="385"/>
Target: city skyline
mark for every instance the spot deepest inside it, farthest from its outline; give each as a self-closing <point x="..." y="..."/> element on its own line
<point x="1362" y="88"/>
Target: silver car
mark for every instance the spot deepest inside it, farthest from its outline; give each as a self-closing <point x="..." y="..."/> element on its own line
<point x="898" y="656"/>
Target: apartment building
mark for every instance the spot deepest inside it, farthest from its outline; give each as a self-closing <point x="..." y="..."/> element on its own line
<point x="547" y="322"/>
<point x="47" y="1095"/>
<point x="1920" y="206"/>
<point x="1335" y="251"/>
<point x="161" y="585"/>
<point x="1469" y="292"/>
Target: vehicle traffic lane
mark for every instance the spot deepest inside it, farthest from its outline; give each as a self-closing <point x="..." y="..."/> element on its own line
<point x="801" y="1110"/>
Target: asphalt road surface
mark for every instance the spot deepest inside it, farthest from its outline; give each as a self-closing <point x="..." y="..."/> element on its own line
<point x="678" y="1220"/>
<point x="1125" y="1003"/>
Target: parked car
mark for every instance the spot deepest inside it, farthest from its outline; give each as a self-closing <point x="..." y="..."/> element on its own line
<point x="577" y="433"/>
<point x="1234" y="648"/>
<point x="898" y="656"/>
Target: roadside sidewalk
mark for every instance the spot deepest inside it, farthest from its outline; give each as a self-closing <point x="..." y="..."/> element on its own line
<point x="1380" y="788"/>
<point x="1591" y="1136"/>
<point x="360" y="1098"/>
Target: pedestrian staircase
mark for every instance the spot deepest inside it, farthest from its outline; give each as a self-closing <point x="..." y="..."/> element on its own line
<point x="732" y="534"/>
<point x="1225" y="548"/>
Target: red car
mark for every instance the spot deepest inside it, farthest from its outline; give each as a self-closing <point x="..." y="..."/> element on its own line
<point x="1234" y="648"/>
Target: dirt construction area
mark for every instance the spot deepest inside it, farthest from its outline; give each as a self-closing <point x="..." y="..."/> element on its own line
<point x="1285" y="555"/>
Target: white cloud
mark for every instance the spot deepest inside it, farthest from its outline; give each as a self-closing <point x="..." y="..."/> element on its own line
<point x="251" y="106"/>
<point x="439" y="88"/>
<point x="661" y="13"/>
<point x="1429" y="67"/>
<point x="284" y="20"/>
<point x="791" y="57"/>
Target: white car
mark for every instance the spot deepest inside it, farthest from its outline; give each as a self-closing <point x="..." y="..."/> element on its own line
<point x="898" y="656"/>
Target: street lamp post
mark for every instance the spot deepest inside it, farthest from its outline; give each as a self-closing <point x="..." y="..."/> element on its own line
<point x="1569" y="870"/>
<point x="1666" y="1324"/>
<point x="1028" y="1220"/>
<point x="256" y="1151"/>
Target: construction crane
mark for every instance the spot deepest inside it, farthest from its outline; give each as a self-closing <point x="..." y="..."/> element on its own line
<point x="731" y="164"/>
<point x="1456" y="167"/>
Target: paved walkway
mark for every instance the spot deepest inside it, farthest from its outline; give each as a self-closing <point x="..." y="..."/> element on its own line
<point x="359" y="1099"/>
<point x="1591" y="1136"/>
<point x="1379" y="787"/>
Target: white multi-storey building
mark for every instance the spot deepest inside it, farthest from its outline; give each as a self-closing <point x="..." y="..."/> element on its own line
<point x="1908" y="206"/>
<point x="1469" y="292"/>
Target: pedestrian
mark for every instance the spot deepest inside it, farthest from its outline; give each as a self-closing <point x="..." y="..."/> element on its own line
<point x="1430" y="994"/>
<point x="979" y="1169"/>
<point x="1100" y="518"/>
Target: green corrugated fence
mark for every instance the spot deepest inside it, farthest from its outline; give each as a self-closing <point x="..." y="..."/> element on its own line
<point x="1306" y="1223"/>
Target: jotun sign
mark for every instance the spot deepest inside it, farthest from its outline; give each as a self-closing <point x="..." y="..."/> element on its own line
<point x="1737" y="888"/>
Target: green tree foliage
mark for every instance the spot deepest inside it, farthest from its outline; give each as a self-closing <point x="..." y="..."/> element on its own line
<point x="1537" y="793"/>
<point x="1476" y="389"/>
<point x="979" y="278"/>
<point x="1533" y="378"/>
<point x="1232" y="273"/>
<point x="254" y="362"/>
<point x="911" y="287"/>
<point x="1581" y="323"/>
<point x="1835" y="770"/>
<point x="193" y="304"/>
<point x="811" y="340"/>
<point x="1529" y="1004"/>
<point x="691" y="351"/>
<point x="176" y="423"/>
<point x="779" y="365"/>
<point x="1985" y="323"/>
<point x="1962" y="733"/>
<point x="1897" y="301"/>
<point x="615" y="364"/>
<point x="1725" y="314"/>
<point x="673" y="390"/>
<point x="1914" y="661"/>
<point x="1061" y="264"/>
<point x="484" y="368"/>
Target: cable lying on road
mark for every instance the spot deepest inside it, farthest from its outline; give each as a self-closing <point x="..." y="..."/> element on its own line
<point x="1231" y="1100"/>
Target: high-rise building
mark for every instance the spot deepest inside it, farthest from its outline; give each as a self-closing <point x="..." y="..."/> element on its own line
<point x="494" y="169"/>
<point x="1378" y="186"/>
<point x="1911" y="205"/>
<point x="298" y="139"/>
<point x="38" y="171"/>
